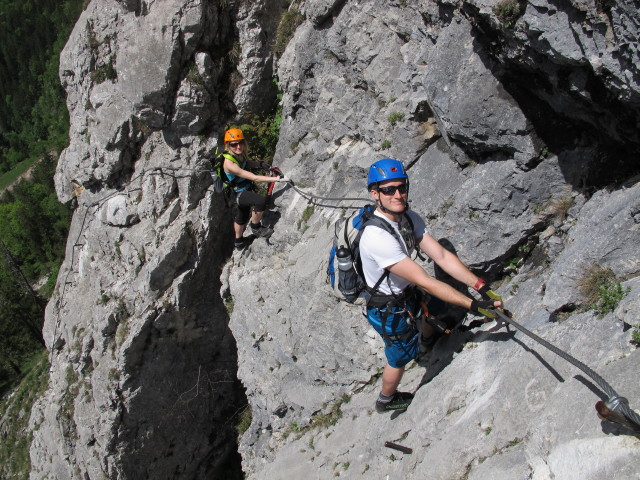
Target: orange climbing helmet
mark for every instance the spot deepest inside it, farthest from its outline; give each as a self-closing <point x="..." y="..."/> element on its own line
<point x="233" y="134"/>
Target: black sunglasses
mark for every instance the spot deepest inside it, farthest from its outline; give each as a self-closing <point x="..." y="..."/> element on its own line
<point x="391" y="190"/>
<point x="235" y="144"/>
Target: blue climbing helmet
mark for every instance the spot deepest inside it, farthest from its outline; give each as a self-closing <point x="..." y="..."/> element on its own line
<point x="386" y="169"/>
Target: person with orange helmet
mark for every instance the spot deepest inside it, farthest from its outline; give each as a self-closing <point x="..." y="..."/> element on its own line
<point x="249" y="204"/>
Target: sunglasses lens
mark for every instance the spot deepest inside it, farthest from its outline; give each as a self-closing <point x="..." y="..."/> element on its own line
<point x="235" y="144"/>
<point x="392" y="190"/>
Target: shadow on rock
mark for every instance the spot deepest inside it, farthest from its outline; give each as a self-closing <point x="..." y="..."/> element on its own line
<point x="437" y="359"/>
<point x="441" y="355"/>
<point x="277" y="194"/>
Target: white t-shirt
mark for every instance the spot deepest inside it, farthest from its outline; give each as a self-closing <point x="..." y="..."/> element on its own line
<point x="379" y="249"/>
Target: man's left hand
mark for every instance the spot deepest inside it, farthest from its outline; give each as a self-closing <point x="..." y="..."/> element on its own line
<point x="489" y="295"/>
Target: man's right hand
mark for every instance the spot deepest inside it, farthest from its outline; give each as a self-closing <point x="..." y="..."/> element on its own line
<point x="489" y="294"/>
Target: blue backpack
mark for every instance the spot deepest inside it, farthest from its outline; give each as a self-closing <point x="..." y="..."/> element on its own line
<point x="348" y="282"/>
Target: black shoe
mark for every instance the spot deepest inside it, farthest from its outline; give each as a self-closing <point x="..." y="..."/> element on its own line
<point x="262" y="231"/>
<point x="241" y="243"/>
<point x="399" y="403"/>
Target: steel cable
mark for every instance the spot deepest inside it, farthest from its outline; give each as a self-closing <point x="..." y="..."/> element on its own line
<point x="630" y="414"/>
<point x="611" y="393"/>
<point x="314" y="198"/>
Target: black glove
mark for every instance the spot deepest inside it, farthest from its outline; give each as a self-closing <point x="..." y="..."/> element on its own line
<point x="483" y="307"/>
<point x="489" y="294"/>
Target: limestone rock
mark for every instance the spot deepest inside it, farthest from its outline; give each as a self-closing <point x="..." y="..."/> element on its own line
<point x="519" y="138"/>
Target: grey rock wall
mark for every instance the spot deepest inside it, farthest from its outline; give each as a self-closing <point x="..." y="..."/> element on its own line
<point x="509" y="135"/>
<point x="520" y="140"/>
<point x="143" y="376"/>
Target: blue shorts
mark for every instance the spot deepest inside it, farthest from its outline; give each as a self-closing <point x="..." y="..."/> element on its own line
<point x="401" y="337"/>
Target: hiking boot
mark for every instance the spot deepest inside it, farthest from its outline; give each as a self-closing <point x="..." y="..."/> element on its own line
<point x="262" y="231"/>
<point x="399" y="403"/>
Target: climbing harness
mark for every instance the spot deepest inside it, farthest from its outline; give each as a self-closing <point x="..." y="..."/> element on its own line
<point x="615" y="409"/>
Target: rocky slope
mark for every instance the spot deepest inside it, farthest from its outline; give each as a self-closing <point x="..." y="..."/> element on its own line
<point x="518" y="122"/>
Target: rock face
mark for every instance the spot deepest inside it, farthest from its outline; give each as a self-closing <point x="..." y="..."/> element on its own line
<point x="143" y="366"/>
<point x="518" y="124"/>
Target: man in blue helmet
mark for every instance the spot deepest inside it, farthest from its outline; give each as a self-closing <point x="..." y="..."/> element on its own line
<point x="397" y="305"/>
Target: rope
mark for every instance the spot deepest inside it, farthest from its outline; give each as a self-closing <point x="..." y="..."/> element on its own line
<point x="611" y="393"/>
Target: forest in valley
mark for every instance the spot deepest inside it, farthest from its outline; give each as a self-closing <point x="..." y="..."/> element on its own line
<point x="34" y="125"/>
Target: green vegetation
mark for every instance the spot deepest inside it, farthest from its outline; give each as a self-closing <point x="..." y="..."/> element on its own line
<point x="33" y="224"/>
<point x="610" y="296"/>
<point x="16" y="437"/>
<point x="34" y="124"/>
<point x="320" y="421"/>
<point x="512" y="264"/>
<point x="263" y="132"/>
<point x="601" y="290"/>
<point x="514" y="442"/>
<point x="10" y="177"/>
<point x="244" y="422"/>
<point x="33" y="232"/>
<point x="229" y="304"/>
<point x="635" y="336"/>
<point x="193" y="75"/>
<point x="104" y="73"/>
<point x="289" y="21"/>
<point x="508" y="12"/>
<point x="395" y="117"/>
<point x="33" y="113"/>
<point x="306" y="215"/>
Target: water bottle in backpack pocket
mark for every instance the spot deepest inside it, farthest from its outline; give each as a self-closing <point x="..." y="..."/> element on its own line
<point x="344" y="257"/>
<point x="350" y="283"/>
<point x="342" y="271"/>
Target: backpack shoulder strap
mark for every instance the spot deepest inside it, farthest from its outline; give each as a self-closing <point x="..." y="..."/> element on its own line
<point x="368" y="218"/>
<point x="380" y="223"/>
<point x="416" y="247"/>
<point x="408" y="217"/>
<point x="219" y="161"/>
<point x="228" y="156"/>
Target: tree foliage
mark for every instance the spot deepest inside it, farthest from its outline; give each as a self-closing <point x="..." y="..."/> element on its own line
<point x="33" y="122"/>
<point x="33" y="232"/>
<point x="33" y="113"/>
